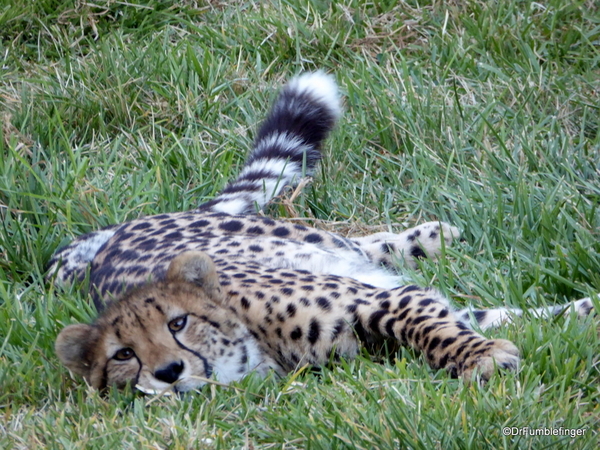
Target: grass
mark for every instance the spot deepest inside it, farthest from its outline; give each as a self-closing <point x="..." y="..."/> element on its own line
<point x="483" y="114"/>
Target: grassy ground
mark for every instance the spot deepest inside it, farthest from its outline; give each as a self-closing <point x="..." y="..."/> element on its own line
<point x="484" y="114"/>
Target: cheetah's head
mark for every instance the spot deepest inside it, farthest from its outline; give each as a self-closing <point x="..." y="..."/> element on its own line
<point x="175" y="332"/>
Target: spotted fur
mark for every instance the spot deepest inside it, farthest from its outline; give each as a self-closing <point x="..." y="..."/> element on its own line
<point x="222" y="292"/>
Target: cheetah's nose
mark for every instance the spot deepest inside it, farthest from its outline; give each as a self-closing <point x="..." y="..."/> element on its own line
<point x="170" y="373"/>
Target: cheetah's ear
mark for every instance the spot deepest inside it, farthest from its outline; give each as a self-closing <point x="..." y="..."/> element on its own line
<point x="75" y="347"/>
<point x="199" y="269"/>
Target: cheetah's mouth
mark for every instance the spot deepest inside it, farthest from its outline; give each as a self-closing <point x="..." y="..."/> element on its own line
<point x="150" y="391"/>
<point x="180" y="386"/>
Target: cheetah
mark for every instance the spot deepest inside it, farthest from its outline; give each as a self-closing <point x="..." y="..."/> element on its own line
<point x="220" y="292"/>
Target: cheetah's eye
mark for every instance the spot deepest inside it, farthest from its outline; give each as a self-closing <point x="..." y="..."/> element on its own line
<point x="124" y="354"/>
<point x="177" y="324"/>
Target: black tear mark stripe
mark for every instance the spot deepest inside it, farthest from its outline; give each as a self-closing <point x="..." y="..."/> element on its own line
<point x="208" y="370"/>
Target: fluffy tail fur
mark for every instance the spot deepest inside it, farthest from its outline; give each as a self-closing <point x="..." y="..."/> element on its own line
<point x="287" y="145"/>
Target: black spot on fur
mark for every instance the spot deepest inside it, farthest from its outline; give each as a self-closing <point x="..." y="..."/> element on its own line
<point x="175" y="236"/>
<point x="426" y="302"/>
<point x="418" y="252"/>
<point x="387" y="248"/>
<point x="291" y="310"/>
<point x="167" y="223"/>
<point x="313" y="238"/>
<point x="375" y="318"/>
<point x="385" y="305"/>
<point x="199" y="224"/>
<point x="147" y="244"/>
<point x="339" y="243"/>
<point x="281" y="232"/>
<point x="231" y="226"/>
<point x="404" y="301"/>
<point x="158" y="232"/>
<point x="314" y="331"/>
<point x="382" y="295"/>
<point x="421" y="319"/>
<point x="244" y="358"/>
<point x="403" y="314"/>
<point x="340" y="325"/>
<point x="410" y="288"/>
<point x="296" y="334"/>
<point x="435" y="342"/>
<point x="141" y="226"/>
<point x="479" y="315"/>
<point x="413" y="236"/>
<point x="443" y="363"/>
<point x="255" y="230"/>
<point x="324" y="304"/>
<point x="267" y="221"/>
<point x="389" y="326"/>
<point x="448" y="341"/>
<point x="129" y="255"/>
<point x="245" y="303"/>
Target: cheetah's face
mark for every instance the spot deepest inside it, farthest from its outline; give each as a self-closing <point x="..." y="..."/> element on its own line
<point x="176" y="332"/>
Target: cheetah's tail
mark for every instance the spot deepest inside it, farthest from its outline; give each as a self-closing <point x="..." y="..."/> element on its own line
<point x="287" y="144"/>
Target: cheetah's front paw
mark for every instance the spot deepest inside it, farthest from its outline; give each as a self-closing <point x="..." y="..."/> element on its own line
<point x="497" y="353"/>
